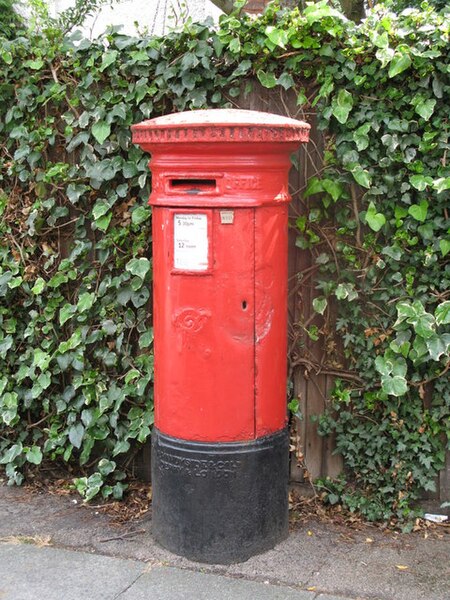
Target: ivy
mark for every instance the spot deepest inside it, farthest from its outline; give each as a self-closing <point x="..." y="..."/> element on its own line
<point x="75" y="264"/>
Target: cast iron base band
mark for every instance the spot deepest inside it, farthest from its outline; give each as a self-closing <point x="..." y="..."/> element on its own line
<point x="220" y="502"/>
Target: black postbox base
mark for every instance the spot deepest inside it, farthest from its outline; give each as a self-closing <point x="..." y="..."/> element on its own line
<point x="220" y="502"/>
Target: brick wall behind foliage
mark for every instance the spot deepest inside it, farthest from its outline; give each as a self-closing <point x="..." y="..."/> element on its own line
<point x="256" y="6"/>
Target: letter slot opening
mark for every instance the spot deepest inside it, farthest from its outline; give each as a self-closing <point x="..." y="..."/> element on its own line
<point x="193" y="186"/>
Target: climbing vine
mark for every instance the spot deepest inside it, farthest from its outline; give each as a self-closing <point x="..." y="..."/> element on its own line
<point x="75" y="262"/>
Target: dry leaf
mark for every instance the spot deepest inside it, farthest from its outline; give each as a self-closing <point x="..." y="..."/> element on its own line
<point x="37" y="540"/>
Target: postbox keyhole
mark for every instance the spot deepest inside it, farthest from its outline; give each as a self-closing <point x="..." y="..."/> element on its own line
<point x="244" y="304"/>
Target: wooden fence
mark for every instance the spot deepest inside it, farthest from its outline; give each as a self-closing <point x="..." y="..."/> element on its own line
<point x="312" y="455"/>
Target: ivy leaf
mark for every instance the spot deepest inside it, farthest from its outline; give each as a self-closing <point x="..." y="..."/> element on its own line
<point x="419" y="211"/>
<point x="394" y="386"/>
<point x="35" y="64"/>
<point x="242" y="68"/>
<point x="106" y="467"/>
<point x="362" y="176"/>
<point x="121" y="447"/>
<point x="146" y="339"/>
<point x="103" y="222"/>
<point x="383" y="366"/>
<point x="140" y="297"/>
<point x="101" y="131"/>
<point x="399" y="63"/>
<point x="320" y="304"/>
<point x="75" y="191"/>
<point x="73" y="342"/>
<point x="41" y="359"/>
<point x="314" y="186"/>
<point x="6" y="345"/>
<point x="420" y="182"/>
<point x="346" y="291"/>
<point x="406" y="310"/>
<point x="393" y="252"/>
<point x="374" y="219"/>
<point x="85" y="301"/>
<point x="235" y="45"/>
<point x="342" y="104"/>
<point x="38" y="287"/>
<point x="425" y="326"/>
<point x="94" y="484"/>
<point x="424" y="108"/>
<point x="44" y="380"/>
<point x="76" y="434"/>
<point x="437" y="346"/>
<point x="316" y="12"/>
<point x="278" y="37"/>
<point x="444" y="246"/>
<point x="218" y="46"/>
<point x="34" y="455"/>
<point x="442" y="313"/>
<point x="109" y="327"/>
<point x="441" y="184"/>
<point x="189" y="61"/>
<point x="139" y="267"/>
<point x="360" y="136"/>
<point x="334" y="188"/>
<point x="66" y="313"/>
<point x="15" y="282"/>
<point x="12" y="453"/>
<point x="268" y="80"/>
<point x="286" y="81"/>
<point x="399" y="367"/>
<point x="108" y="58"/>
<point x="8" y="407"/>
<point x="385" y="55"/>
<point x="132" y="375"/>
<point x="139" y="215"/>
<point x="6" y="56"/>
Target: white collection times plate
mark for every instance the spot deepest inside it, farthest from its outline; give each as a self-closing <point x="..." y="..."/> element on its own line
<point x="190" y="238"/>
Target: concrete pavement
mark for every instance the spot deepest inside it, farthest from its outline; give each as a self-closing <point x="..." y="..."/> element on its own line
<point x="54" y="548"/>
<point x="29" y="572"/>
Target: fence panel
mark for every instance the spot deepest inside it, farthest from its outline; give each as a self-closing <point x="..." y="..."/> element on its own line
<point x="312" y="455"/>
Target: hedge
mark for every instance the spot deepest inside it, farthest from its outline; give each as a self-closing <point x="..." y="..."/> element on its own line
<point x="75" y="261"/>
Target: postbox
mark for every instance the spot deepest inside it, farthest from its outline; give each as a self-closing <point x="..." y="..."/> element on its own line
<point x="220" y="217"/>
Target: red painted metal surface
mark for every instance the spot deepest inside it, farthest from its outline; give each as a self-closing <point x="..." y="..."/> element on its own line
<point x="220" y="195"/>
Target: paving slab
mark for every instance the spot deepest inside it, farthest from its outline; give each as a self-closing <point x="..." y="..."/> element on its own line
<point x="388" y="571"/>
<point x="31" y="573"/>
<point x="168" y="583"/>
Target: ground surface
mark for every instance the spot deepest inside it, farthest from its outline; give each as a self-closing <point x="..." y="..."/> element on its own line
<point x="320" y="557"/>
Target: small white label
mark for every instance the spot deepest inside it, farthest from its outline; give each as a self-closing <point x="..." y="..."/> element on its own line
<point x="190" y="235"/>
<point x="227" y="217"/>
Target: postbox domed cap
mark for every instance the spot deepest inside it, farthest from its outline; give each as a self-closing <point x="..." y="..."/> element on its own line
<point x="220" y="125"/>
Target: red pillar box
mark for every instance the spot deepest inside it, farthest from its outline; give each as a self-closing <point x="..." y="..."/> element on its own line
<point x="220" y="443"/>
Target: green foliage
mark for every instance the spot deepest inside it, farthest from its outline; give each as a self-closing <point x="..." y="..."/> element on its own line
<point x="10" y="20"/>
<point x="392" y="138"/>
<point x="75" y="321"/>
<point x="75" y="265"/>
<point x="399" y="5"/>
<point x="73" y="16"/>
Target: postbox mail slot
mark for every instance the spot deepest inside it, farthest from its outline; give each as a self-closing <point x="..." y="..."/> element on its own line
<point x="193" y="186"/>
